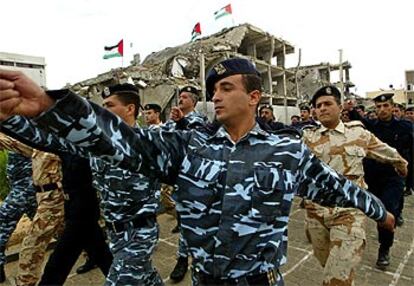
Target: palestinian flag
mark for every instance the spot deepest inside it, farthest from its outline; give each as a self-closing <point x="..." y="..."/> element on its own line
<point x="226" y="10"/>
<point x="196" y="31"/>
<point x="114" y="51"/>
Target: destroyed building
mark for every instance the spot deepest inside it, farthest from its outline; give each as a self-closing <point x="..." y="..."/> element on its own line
<point x="162" y="73"/>
<point x="308" y="79"/>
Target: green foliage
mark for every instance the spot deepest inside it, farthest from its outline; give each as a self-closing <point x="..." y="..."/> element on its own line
<point x="4" y="186"/>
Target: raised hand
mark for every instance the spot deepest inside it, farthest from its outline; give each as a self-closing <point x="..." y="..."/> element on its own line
<point x="176" y="114"/>
<point x="19" y="95"/>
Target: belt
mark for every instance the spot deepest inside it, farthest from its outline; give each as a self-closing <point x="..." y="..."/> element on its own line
<point x="137" y="222"/>
<point x="48" y="187"/>
<point x="263" y="279"/>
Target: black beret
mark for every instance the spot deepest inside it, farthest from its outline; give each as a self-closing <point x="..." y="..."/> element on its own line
<point x="304" y="106"/>
<point x="326" y="90"/>
<point x="265" y="107"/>
<point x="227" y="68"/>
<point x="383" y="97"/>
<point x="153" y="106"/>
<point x="119" y="88"/>
<point x="190" y="89"/>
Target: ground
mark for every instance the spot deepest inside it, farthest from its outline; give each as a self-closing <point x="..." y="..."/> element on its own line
<point x="302" y="267"/>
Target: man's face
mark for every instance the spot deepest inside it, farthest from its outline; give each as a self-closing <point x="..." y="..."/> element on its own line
<point x="231" y="100"/>
<point x="396" y="111"/>
<point x="304" y="115"/>
<point x="266" y="114"/>
<point x="294" y="120"/>
<point x="409" y="115"/>
<point x="328" y="110"/>
<point x="151" y="117"/>
<point x="114" y="105"/>
<point x="185" y="101"/>
<point x="384" y="110"/>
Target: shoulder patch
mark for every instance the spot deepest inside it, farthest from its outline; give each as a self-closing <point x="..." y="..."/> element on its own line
<point x="354" y="123"/>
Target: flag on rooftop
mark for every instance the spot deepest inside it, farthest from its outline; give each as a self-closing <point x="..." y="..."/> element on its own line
<point x="225" y="11"/>
<point x="196" y="31"/>
<point x="114" y="51"/>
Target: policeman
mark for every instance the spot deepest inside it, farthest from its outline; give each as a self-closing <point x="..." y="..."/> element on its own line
<point x="383" y="180"/>
<point x="21" y="199"/>
<point x="152" y="114"/>
<point x="266" y="115"/>
<point x="338" y="234"/>
<point x="187" y="101"/>
<point x="188" y="98"/>
<point x="305" y="116"/>
<point x="234" y="186"/>
<point x="129" y="201"/>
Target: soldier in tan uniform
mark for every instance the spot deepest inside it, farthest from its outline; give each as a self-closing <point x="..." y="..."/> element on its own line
<point x="338" y="234"/>
<point x="49" y="216"/>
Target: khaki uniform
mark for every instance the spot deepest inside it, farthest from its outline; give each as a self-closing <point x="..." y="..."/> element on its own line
<point x="338" y="234"/>
<point x="167" y="201"/>
<point x="49" y="215"/>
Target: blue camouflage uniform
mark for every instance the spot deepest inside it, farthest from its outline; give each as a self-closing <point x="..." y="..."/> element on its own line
<point x="193" y="119"/>
<point x="21" y="198"/>
<point x="234" y="198"/>
<point x="129" y="202"/>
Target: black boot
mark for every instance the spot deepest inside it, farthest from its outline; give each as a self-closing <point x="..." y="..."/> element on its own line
<point x="179" y="270"/>
<point x="399" y="221"/>
<point x="383" y="258"/>
<point x="2" y="274"/>
<point x="88" y="266"/>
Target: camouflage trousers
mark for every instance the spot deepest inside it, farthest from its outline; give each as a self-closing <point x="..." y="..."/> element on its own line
<point x="20" y="200"/>
<point x="46" y="223"/>
<point x="182" y="250"/>
<point x="338" y="240"/>
<point x="132" y="250"/>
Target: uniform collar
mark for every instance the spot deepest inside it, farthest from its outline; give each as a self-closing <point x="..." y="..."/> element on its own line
<point x="340" y="128"/>
<point x="255" y="131"/>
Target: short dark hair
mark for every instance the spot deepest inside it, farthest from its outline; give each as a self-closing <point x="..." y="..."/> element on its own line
<point x="129" y="98"/>
<point x="252" y="82"/>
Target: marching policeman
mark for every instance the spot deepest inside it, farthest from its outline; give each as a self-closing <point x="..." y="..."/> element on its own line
<point x="383" y="180"/>
<point x="234" y="186"/>
<point x="338" y="234"/>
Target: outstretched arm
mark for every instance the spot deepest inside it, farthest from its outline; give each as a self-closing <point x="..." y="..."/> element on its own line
<point x="321" y="184"/>
<point x="73" y="124"/>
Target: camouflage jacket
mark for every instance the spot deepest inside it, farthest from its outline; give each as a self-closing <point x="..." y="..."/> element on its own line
<point x="344" y="148"/>
<point x="124" y="194"/>
<point x="234" y="198"/>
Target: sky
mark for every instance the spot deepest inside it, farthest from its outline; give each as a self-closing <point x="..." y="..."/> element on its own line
<point x="377" y="37"/>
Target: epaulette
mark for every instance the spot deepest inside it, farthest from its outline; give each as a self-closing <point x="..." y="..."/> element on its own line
<point x="354" y="123"/>
<point x="311" y="127"/>
<point x="291" y="132"/>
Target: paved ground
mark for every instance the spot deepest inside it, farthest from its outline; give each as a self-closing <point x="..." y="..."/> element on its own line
<point x="302" y="268"/>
